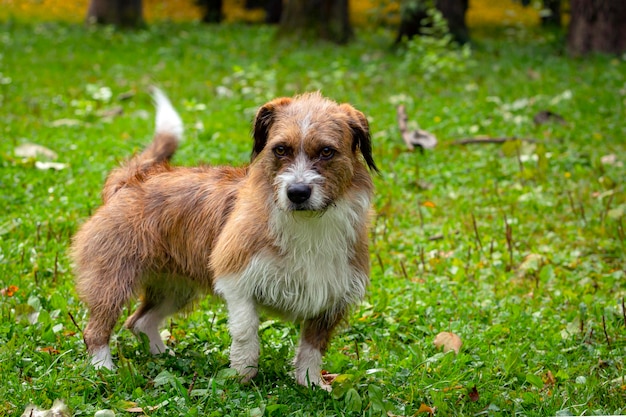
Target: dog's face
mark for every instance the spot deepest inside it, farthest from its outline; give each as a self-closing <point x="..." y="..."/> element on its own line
<point x="308" y="147"/>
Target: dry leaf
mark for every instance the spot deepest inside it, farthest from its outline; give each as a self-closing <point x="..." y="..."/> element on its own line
<point x="58" y="166"/>
<point x="49" y="349"/>
<point x="110" y="113"/>
<point x="9" y="291"/>
<point x="449" y="341"/>
<point x="141" y="409"/>
<point x="427" y="409"/>
<point x="547" y="116"/>
<point x="32" y="150"/>
<point x="611" y="159"/>
<point x="66" y="122"/>
<point x="550" y="379"/>
<point x="59" y="409"/>
<point x="329" y="378"/>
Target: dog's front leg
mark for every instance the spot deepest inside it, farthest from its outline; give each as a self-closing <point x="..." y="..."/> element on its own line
<point x="314" y="339"/>
<point x="243" y="325"/>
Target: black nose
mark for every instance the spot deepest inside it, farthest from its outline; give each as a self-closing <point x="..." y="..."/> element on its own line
<point x="298" y="193"/>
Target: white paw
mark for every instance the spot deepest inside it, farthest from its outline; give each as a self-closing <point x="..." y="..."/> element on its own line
<point x="101" y="358"/>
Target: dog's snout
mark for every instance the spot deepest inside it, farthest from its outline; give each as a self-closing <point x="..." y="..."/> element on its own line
<point x="298" y="193"/>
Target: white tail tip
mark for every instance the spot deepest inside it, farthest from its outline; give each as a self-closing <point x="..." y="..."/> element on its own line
<point x="167" y="119"/>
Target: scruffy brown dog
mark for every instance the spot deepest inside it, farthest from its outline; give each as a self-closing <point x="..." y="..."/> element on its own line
<point x="288" y="233"/>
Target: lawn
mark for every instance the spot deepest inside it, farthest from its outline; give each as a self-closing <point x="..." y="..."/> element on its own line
<point x="517" y="248"/>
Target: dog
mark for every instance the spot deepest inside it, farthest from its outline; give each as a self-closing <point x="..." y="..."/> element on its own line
<point x="288" y="233"/>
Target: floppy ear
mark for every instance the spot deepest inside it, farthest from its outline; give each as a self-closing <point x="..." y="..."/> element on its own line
<point x="361" y="138"/>
<point x="263" y="122"/>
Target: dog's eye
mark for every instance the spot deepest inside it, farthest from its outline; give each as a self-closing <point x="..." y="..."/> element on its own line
<point x="280" y="151"/>
<point x="327" y="153"/>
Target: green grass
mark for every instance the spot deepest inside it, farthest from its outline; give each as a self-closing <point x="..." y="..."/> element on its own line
<point x="516" y="248"/>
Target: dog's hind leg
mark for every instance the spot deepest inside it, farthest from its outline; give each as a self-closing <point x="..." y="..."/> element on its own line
<point x="105" y="299"/>
<point x="158" y="302"/>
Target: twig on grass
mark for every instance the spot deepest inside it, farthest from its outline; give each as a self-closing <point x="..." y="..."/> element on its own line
<point x="74" y="321"/>
<point x="193" y="383"/>
<point x="479" y="141"/>
<point x="476" y="232"/>
<point x="606" y="336"/>
<point x="406" y="276"/>
<point x="508" y="231"/>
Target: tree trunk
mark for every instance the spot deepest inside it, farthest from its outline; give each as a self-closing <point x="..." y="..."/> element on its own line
<point x="415" y="17"/>
<point x="212" y="10"/>
<point x="273" y="9"/>
<point x="551" y="13"/>
<point x="123" y="13"/>
<point x="597" y="26"/>
<point x="316" y="19"/>
<point x="454" y="12"/>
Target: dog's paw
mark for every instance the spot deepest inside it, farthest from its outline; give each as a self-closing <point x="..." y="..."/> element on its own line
<point x="101" y="359"/>
<point x="246" y="373"/>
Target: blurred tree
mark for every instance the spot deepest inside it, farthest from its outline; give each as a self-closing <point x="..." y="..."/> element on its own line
<point x="123" y="13"/>
<point x="273" y="9"/>
<point x="551" y="13"/>
<point x="597" y="26"/>
<point x="415" y="18"/>
<point x="212" y="10"/>
<point x="316" y="19"/>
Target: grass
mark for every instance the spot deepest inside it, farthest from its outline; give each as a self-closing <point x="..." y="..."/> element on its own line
<point x="516" y="248"/>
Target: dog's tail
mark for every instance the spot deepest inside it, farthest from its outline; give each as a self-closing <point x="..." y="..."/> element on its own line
<point x="155" y="158"/>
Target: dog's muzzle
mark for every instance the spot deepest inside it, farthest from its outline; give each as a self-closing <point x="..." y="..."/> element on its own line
<point x="298" y="193"/>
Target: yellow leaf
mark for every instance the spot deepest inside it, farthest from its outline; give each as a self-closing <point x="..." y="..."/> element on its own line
<point x="427" y="409"/>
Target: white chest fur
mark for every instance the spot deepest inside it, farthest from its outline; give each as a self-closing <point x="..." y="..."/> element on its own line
<point x="312" y="270"/>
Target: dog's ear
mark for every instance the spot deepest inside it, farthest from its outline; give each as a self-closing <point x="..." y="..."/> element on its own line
<point x="263" y="122"/>
<point x="361" y="138"/>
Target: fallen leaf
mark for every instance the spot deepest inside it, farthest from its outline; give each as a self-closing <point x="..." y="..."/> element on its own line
<point x="473" y="394"/>
<point x="126" y="96"/>
<point x="429" y="204"/>
<point x="329" y="378"/>
<point x="58" y="166"/>
<point x="110" y="113"/>
<point x="531" y="264"/>
<point x="49" y="349"/>
<point x="547" y="116"/>
<point x="611" y="159"/>
<point x="9" y="291"/>
<point x="449" y="341"/>
<point x="550" y="379"/>
<point x="423" y="139"/>
<point x="66" y="122"/>
<point x="59" y="409"/>
<point x="32" y="150"/>
<point x="427" y="409"/>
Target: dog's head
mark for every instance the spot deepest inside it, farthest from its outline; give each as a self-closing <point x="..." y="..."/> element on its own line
<point x="310" y="148"/>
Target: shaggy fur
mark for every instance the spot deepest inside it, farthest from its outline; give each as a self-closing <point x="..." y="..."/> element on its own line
<point x="288" y="233"/>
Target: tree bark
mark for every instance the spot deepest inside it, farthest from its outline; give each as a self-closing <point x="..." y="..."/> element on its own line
<point x="415" y="17"/>
<point x="454" y="12"/>
<point x="212" y="10"/>
<point x="597" y="26"/>
<point x="122" y="13"/>
<point x="316" y="19"/>
<point x="552" y="13"/>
